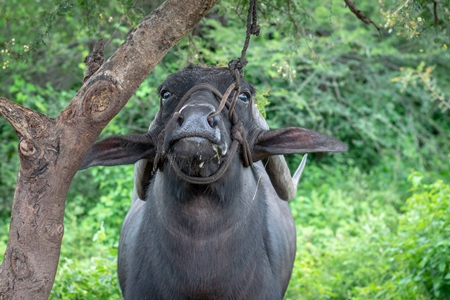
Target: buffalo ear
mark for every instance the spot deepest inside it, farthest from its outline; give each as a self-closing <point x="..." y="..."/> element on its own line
<point x="292" y="140"/>
<point x="120" y="150"/>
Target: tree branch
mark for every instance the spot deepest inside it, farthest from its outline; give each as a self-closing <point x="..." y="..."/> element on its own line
<point x="360" y="15"/>
<point x="436" y="17"/>
<point x="26" y="122"/>
<point x="94" y="60"/>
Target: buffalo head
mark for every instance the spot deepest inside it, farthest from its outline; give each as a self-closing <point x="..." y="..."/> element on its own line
<point x="197" y="137"/>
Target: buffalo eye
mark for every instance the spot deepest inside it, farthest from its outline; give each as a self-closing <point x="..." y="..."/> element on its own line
<point x="244" y="97"/>
<point x="165" y="94"/>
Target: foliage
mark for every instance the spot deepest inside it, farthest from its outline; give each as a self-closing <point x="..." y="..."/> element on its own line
<point x="423" y="243"/>
<point x="422" y="76"/>
<point x="363" y="232"/>
<point x="342" y="225"/>
<point x="414" y="18"/>
<point x="367" y="256"/>
<point x="91" y="278"/>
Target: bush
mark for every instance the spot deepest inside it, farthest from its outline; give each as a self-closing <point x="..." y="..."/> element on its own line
<point x="92" y="278"/>
<point x="421" y="250"/>
<point x="371" y="257"/>
<point x="343" y="228"/>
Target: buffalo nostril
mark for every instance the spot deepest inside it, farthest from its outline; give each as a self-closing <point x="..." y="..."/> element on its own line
<point x="213" y="121"/>
<point x="180" y="119"/>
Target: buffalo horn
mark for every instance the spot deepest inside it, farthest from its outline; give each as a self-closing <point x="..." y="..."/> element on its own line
<point x="277" y="168"/>
<point x="143" y="169"/>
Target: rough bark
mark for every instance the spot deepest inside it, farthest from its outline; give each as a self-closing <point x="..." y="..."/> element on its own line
<point x="51" y="150"/>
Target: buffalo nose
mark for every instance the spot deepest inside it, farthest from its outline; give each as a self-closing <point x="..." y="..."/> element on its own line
<point x="196" y="117"/>
<point x="212" y="121"/>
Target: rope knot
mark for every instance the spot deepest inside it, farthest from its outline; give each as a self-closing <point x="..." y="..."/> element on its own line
<point x="255" y="29"/>
<point x="237" y="64"/>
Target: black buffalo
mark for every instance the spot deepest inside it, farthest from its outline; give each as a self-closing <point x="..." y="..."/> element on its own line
<point x="208" y="220"/>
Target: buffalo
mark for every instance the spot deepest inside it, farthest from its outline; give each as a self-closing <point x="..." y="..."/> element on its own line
<point x="209" y="217"/>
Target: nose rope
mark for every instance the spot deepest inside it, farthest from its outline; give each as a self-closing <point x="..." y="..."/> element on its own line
<point x="238" y="136"/>
<point x="223" y="101"/>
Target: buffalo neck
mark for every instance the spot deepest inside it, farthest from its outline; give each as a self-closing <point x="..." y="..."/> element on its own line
<point x="200" y="211"/>
<point x="200" y="228"/>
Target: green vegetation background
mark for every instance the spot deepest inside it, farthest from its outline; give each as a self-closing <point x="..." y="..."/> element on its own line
<point x="372" y="223"/>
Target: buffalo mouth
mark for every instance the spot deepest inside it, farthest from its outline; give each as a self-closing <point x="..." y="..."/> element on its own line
<point x="198" y="156"/>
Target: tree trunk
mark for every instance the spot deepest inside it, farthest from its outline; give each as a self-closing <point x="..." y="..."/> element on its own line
<point x="51" y="150"/>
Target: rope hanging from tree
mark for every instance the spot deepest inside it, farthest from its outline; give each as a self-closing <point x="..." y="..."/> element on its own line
<point x="236" y="66"/>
